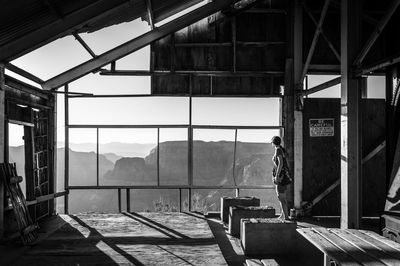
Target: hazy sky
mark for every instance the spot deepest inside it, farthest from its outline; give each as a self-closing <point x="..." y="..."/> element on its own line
<point x="65" y="53"/>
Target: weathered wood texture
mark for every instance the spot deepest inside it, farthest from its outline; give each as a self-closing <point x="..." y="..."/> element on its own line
<point x="321" y="160"/>
<point x="353" y="247"/>
<point x="373" y="170"/>
<point x="255" y="42"/>
<point x="128" y="239"/>
<point x="38" y="140"/>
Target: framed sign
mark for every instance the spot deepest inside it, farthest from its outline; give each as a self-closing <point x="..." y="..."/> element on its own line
<point x="322" y="127"/>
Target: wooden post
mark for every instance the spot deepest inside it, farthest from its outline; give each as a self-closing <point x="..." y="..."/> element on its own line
<point x="2" y="148"/>
<point x="350" y="117"/>
<point x="128" y="200"/>
<point x="298" y="113"/>
<point x="119" y="201"/>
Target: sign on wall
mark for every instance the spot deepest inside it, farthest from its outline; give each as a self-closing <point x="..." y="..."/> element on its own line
<point x="322" y="127"/>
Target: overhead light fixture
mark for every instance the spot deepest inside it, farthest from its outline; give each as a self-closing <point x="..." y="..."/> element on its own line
<point x="22" y="105"/>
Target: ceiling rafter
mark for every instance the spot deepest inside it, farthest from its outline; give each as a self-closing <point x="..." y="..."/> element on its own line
<point x="135" y="44"/>
<point x="84" y="44"/>
<point x="59" y="28"/>
<point x="24" y="73"/>
<point x="375" y="34"/>
<point x="150" y="13"/>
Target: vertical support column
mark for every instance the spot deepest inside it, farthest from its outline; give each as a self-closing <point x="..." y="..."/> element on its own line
<point x="158" y="156"/>
<point x="233" y="25"/>
<point x="298" y="112"/>
<point x="190" y="145"/>
<point x="128" y="200"/>
<point x="2" y="146"/>
<point x="350" y="117"/>
<point x="66" y="149"/>
<point x="119" y="201"/>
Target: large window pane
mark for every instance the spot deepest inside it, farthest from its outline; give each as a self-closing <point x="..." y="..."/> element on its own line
<point x="82" y="157"/>
<point x="213" y="151"/>
<point x="236" y="111"/>
<point x="253" y="165"/>
<point x="173" y="156"/>
<point x="332" y="92"/>
<point x="90" y="200"/>
<point x="53" y="58"/>
<point x="159" y="200"/>
<point x="129" y="111"/>
<point x="206" y="200"/>
<point x="128" y="156"/>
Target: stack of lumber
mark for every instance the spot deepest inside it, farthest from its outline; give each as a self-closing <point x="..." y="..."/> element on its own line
<point x="27" y="229"/>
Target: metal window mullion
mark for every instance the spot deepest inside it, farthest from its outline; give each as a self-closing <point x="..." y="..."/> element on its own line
<point x="97" y="156"/>
<point x="66" y="149"/>
<point x="234" y="159"/>
<point x="158" y="156"/>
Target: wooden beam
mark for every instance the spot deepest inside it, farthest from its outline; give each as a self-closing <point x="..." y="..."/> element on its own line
<point x="330" y="44"/>
<point x="321" y="87"/>
<point x="53" y="30"/>
<point x="84" y="44"/>
<point x="135" y="44"/>
<point x="295" y="69"/>
<point x="66" y="150"/>
<point x="24" y="73"/>
<point x="2" y="146"/>
<point x="351" y="210"/>
<point x="375" y="34"/>
<point x="394" y="59"/>
<point x="314" y="41"/>
<point x="374" y="152"/>
<point x="150" y="13"/>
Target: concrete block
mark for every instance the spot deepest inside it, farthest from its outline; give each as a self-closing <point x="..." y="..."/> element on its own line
<point x="236" y="213"/>
<point x="262" y="236"/>
<point x="226" y="202"/>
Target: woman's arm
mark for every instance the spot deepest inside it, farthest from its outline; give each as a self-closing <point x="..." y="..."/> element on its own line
<point x="279" y="167"/>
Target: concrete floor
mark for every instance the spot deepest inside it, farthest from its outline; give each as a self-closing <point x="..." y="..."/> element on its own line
<point x="149" y="239"/>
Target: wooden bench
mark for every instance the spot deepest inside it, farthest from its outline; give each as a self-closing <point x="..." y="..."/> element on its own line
<point x="353" y="247"/>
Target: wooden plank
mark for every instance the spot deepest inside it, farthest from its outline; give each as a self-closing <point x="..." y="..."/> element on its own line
<point x="382" y="239"/>
<point x="385" y="245"/>
<point x="355" y="252"/>
<point x="327" y="247"/>
<point x="374" y="152"/>
<point x="373" y="251"/>
<point x="253" y="262"/>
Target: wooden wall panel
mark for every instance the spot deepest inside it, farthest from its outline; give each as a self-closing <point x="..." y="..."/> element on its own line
<point x="171" y="84"/>
<point x="321" y="156"/>
<point x="374" y="170"/>
<point x="267" y="58"/>
<point x="203" y="58"/>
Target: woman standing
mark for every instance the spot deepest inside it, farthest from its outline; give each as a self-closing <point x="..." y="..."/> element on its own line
<point x="280" y="175"/>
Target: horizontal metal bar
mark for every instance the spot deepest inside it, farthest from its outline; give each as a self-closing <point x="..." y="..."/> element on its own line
<point x="190" y="72"/>
<point x="235" y="127"/>
<point x="320" y="87"/>
<point x="175" y="95"/>
<point x="170" y="187"/>
<point x="46" y="198"/>
<point x="205" y="44"/>
<point x="128" y="126"/>
<point x="175" y="126"/>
